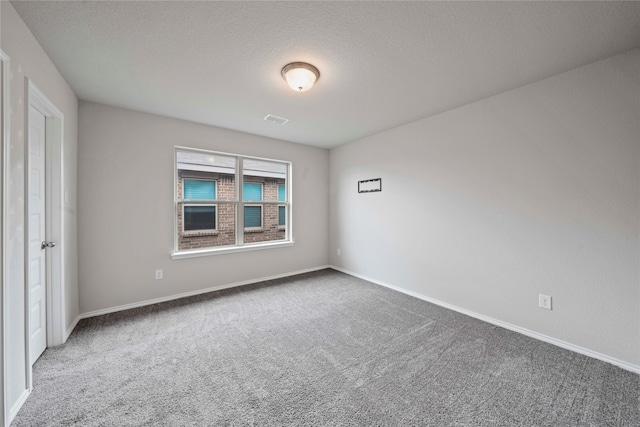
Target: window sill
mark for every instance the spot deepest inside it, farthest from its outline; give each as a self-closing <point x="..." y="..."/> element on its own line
<point x="199" y="233"/>
<point x="254" y="230"/>
<point x="230" y="249"/>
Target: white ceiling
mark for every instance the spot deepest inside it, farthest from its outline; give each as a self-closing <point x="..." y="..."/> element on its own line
<point x="382" y="64"/>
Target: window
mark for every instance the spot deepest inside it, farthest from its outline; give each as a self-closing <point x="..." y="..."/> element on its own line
<point x="252" y="191"/>
<point x="226" y="203"/>
<point x="252" y="216"/>
<point x="199" y="190"/>
<point x="282" y="209"/>
<point x="199" y="217"/>
<point x="252" y="213"/>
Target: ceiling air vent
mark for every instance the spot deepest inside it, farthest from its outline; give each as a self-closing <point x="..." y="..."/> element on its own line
<point x="276" y="119"/>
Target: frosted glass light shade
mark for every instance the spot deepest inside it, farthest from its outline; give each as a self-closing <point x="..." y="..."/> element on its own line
<point x="300" y="76"/>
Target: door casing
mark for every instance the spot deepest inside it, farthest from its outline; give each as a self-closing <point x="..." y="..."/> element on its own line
<point x="4" y="136"/>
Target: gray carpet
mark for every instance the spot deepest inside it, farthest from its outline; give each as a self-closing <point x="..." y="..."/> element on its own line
<point x="317" y="349"/>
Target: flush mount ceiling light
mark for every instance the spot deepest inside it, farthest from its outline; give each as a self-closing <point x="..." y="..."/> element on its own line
<point x="300" y="75"/>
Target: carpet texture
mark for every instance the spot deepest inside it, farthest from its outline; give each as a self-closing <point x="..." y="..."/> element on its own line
<point x="317" y="349"/>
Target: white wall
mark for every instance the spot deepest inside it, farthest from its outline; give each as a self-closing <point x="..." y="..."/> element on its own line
<point x="27" y="59"/>
<point x="536" y="190"/>
<point x="125" y="194"/>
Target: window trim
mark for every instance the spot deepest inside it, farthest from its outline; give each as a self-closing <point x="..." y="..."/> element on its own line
<point x="240" y="245"/>
<point x="195" y="253"/>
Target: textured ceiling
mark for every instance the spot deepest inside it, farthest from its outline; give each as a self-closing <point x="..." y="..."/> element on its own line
<point x="382" y="64"/>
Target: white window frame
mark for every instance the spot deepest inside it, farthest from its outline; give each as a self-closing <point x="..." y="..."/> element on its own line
<point x="240" y="245"/>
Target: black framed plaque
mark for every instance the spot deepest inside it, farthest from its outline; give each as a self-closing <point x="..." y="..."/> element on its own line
<point x="370" y="185"/>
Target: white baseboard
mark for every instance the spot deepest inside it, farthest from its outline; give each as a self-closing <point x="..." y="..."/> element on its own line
<point x="193" y="293"/>
<point x="563" y="344"/>
<point x="16" y="406"/>
<point x="71" y="328"/>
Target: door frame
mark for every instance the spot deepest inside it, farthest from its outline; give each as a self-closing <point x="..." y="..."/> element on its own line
<point x="54" y="211"/>
<point x="4" y="137"/>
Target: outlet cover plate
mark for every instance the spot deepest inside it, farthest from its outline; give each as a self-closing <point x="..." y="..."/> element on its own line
<point x="544" y="301"/>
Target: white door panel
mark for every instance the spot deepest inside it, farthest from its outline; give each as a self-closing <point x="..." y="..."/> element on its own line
<point x="37" y="256"/>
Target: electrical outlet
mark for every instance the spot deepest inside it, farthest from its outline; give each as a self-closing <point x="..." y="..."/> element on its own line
<point x="338" y="251"/>
<point x="544" y="301"/>
<point x="159" y="274"/>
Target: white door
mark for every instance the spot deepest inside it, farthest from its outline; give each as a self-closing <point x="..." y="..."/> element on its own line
<point x="37" y="255"/>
